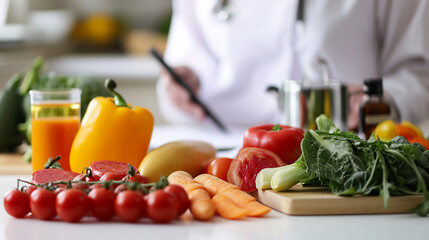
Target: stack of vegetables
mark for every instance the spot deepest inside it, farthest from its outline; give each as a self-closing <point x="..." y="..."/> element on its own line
<point x="349" y="165"/>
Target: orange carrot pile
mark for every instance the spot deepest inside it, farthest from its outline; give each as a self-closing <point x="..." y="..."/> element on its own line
<point x="202" y="207"/>
<point x="230" y="201"/>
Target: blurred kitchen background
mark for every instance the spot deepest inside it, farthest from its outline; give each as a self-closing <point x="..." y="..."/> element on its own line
<point x="95" y="38"/>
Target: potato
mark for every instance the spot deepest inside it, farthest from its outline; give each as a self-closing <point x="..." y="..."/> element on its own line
<point x="189" y="156"/>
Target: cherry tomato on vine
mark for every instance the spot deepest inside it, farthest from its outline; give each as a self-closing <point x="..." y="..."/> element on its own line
<point x="42" y="204"/>
<point x="129" y="205"/>
<point x="92" y="178"/>
<point x="71" y="205"/>
<point x="138" y="178"/>
<point x="181" y="195"/>
<point x="30" y="189"/>
<point x="80" y="186"/>
<point x="162" y="206"/>
<point x="111" y="176"/>
<point x="102" y="203"/>
<point x="219" y="167"/>
<point x="59" y="189"/>
<point x="120" y="188"/>
<point x="16" y="203"/>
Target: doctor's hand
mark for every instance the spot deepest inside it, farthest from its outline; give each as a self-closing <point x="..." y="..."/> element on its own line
<point x="178" y="95"/>
<point x="357" y="96"/>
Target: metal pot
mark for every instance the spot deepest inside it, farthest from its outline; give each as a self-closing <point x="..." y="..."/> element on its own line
<point x="300" y="103"/>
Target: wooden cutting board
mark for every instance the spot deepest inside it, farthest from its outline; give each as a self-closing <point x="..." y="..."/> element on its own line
<point x="13" y="163"/>
<point x="301" y="200"/>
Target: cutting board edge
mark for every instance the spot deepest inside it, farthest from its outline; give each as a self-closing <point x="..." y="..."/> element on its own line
<point x="335" y="205"/>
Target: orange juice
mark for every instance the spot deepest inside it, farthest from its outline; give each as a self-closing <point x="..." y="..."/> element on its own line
<point x="54" y="127"/>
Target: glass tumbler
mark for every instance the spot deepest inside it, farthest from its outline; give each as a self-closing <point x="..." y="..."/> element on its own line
<point x="55" y="120"/>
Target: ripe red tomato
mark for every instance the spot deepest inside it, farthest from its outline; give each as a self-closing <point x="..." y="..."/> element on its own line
<point x="59" y="189"/>
<point x="102" y="203"/>
<point x="181" y="195"/>
<point x="138" y="178"/>
<point x="30" y="189"/>
<point x="162" y="206"/>
<point x="248" y="163"/>
<point x="72" y="204"/>
<point x="120" y="188"/>
<point x="80" y="186"/>
<point x="111" y="176"/>
<point x="42" y="204"/>
<point x="219" y="167"/>
<point x="129" y="206"/>
<point x="16" y="203"/>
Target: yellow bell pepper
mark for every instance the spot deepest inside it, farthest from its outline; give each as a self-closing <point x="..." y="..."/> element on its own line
<point x="111" y="130"/>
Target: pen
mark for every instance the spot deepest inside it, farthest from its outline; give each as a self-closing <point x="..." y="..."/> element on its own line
<point x="194" y="98"/>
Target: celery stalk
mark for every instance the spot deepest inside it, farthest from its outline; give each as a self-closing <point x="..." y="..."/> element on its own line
<point x="263" y="179"/>
<point x="288" y="176"/>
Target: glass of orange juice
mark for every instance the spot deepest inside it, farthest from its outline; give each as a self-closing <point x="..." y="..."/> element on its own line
<point x="55" y="119"/>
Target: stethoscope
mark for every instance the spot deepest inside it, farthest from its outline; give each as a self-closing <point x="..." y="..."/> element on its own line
<point x="223" y="10"/>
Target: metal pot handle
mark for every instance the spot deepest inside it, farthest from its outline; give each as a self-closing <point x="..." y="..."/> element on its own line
<point x="272" y="88"/>
<point x="326" y="73"/>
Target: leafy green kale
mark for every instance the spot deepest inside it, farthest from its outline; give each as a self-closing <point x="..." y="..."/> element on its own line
<point x="349" y="165"/>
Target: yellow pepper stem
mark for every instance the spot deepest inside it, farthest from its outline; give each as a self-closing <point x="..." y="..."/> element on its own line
<point x="119" y="100"/>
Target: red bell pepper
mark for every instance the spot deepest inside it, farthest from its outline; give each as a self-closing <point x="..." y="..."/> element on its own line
<point x="285" y="141"/>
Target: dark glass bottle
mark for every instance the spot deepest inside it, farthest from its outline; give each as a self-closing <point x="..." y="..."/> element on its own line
<point x="376" y="108"/>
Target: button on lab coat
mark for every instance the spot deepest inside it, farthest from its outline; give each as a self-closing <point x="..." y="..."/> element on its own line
<point x="263" y="44"/>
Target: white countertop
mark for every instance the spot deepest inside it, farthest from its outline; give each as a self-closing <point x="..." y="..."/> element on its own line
<point x="273" y="226"/>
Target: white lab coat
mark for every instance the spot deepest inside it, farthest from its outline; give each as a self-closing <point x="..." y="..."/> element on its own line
<point x="260" y="46"/>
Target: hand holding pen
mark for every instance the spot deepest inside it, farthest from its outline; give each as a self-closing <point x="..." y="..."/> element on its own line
<point x="182" y="86"/>
<point x="178" y="95"/>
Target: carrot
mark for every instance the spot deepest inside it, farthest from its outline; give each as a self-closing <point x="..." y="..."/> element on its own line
<point x="202" y="207"/>
<point x="214" y="184"/>
<point x="256" y="209"/>
<point x="226" y="207"/>
<point x="241" y="199"/>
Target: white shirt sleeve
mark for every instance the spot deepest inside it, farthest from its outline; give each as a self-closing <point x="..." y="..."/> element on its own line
<point x="404" y="56"/>
<point x="185" y="47"/>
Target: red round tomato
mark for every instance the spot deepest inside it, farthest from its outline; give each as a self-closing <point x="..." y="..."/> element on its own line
<point x="111" y="176"/>
<point x="59" y="189"/>
<point x="102" y="203"/>
<point x="30" y="189"/>
<point x="120" y="188"/>
<point x="219" y="167"/>
<point x="162" y="206"/>
<point x="80" y="186"/>
<point x="248" y="163"/>
<point x="181" y="195"/>
<point x="72" y="205"/>
<point x="138" y="178"/>
<point x="129" y="206"/>
<point x="17" y="203"/>
<point x="42" y="204"/>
